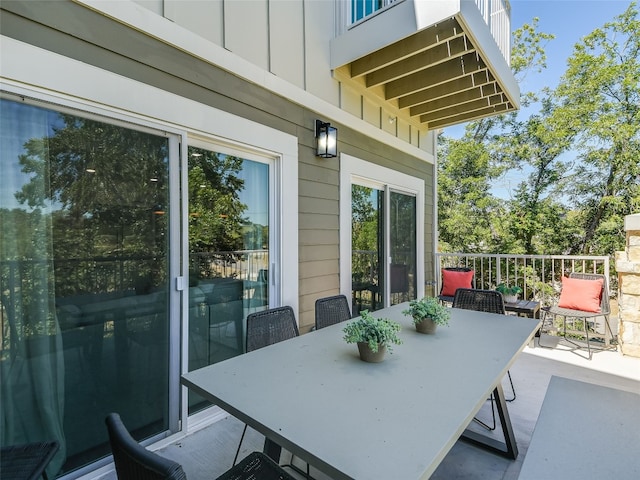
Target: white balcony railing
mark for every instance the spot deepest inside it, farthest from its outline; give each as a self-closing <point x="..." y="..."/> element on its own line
<point x="497" y="15"/>
<point x="540" y="276"/>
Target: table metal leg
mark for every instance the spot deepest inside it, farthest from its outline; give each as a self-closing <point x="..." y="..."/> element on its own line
<point x="272" y="450"/>
<point x="508" y="448"/>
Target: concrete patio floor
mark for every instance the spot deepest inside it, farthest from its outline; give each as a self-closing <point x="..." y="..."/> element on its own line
<point x="209" y="451"/>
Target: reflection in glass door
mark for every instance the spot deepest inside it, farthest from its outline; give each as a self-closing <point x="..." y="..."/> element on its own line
<point x="228" y="253"/>
<point x="402" y="248"/>
<point x="383" y="247"/>
<point x="367" y="248"/>
<point x="84" y="280"/>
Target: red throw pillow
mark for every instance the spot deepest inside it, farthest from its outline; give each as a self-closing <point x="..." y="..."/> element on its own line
<point x="453" y="280"/>
<point x="579" y="294"/>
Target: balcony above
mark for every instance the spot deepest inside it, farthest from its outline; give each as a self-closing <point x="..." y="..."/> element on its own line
<point x="443" y="63"/>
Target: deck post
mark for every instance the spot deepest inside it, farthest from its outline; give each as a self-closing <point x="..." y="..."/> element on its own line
<point x="628" y="268"/>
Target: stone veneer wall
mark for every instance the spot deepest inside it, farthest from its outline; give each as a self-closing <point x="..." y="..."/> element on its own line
<point x="628" y="268"/>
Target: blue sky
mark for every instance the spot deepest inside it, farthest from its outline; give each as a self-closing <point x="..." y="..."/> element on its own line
<point x="569" y="21"/>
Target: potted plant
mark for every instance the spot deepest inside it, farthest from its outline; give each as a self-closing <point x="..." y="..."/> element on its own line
<point x="510" y="293"/>
<point x="427" y="314"/>
<point x="373" y="336"/>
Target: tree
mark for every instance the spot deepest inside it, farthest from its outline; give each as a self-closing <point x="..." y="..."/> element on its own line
<point x="364" y="233"/>
<point x="215" y="211"/>
<point x="470" y="218"/>
<point x="537" y="218"/>
<point x="466" y="209"/>
<point x="578" y="153"/>
<point x="599" y="104"/>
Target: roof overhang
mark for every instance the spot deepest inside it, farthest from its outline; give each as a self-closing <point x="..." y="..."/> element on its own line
<point x="438" y="61"/>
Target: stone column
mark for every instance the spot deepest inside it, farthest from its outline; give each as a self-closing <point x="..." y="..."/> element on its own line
<point x="628" y="268"/>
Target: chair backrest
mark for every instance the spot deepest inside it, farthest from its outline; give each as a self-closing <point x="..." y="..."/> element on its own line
<point x="605" y="309"/>
<point x="270" y="326"/>
<point x="332" y="310"/>
<point x="480" y="300"/>
<point x="133" y="461"/>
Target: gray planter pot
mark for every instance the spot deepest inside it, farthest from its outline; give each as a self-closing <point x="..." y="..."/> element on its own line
<point x="367" y="355"/>
<point x="426" y="326"/>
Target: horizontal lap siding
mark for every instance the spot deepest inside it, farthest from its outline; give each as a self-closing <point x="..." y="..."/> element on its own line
<point x="318" y="223"/>
<point x="319" y="206"/>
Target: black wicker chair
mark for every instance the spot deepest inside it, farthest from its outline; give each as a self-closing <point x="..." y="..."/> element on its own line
<point x="270" y="326"/>
<point x="265" y="328"/>
<point x="483" y="301"/>
<point x="134" y="462"/>
<point x="27" y="461"/>
<point x="332" y="310"/>
<point x="569" y="314"/>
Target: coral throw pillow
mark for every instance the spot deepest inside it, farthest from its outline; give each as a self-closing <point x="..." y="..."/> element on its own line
<point x="452" y="280"/>
<point x="579" y="294"/>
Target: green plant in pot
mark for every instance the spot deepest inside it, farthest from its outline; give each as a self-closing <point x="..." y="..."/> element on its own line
<point x="427" y="314"/>
<point x="509" y="292"/>
<point x="373" y="336"/>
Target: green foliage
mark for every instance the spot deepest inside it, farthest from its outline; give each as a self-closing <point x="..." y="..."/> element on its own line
<point x="570" y="159"/>
<point x="466" y="209"/>
<point x="364" y="233"/>
<point x="598" y="104"/>
<point x="540" y="287"/>
<point x="374" y="331"/>
<point x="506" y="289"/>
<point x="215" y="211"/>
<point x="428" y="307"/>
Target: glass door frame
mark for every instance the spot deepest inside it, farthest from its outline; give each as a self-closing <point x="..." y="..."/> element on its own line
<point x="283" y="226"/>
<point x="354" y="170"/>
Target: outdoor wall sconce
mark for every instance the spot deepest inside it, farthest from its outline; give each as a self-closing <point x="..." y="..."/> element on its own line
<point x="326" y="140"/>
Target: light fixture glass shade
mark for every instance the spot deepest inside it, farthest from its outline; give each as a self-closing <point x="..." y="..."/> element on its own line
<point x="326" y="140"/>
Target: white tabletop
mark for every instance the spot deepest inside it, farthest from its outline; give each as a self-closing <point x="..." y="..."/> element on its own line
<point x="351" y="419"/>
<point x="585" y="431"/>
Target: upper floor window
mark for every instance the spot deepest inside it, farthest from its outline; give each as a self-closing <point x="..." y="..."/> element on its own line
<point x="363" y="8"/>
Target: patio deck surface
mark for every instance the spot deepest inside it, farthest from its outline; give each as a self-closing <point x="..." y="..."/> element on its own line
<point x="208" y="452"/>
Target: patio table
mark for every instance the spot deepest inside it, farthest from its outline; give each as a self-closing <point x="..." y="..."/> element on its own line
<point x="352" y="420"/>
<point x="528" y="308"/>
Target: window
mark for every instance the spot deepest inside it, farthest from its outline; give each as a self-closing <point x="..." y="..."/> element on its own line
<point x="363" y="8"/>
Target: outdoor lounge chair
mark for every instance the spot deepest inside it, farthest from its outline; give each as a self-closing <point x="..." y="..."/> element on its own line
<point x="134" y="462"/>
<point x="483" y="301"/>
<point x="584" y="296"/>
<point x="331" y="310"/>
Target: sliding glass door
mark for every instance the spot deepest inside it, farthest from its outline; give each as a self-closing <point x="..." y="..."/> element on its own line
<point x="381" y="210"/>
<point x="228" y="231"/>
<point x="383" y="247"/>
<point x="402" y="247"/>
<point x="84" y="279"/>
